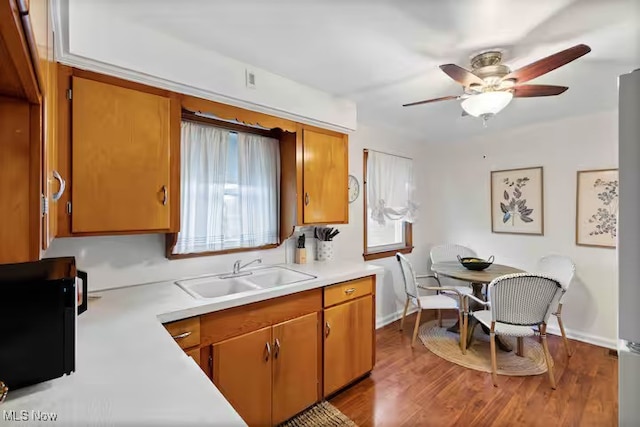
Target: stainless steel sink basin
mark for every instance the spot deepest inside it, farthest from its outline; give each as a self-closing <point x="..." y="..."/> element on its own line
<point x="277" y="276"/>
<point x="213" y="287"/>
<point x="248" y="280"/>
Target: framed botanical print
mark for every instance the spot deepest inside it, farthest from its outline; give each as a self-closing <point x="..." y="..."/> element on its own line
<point x="597" y="208"/>
<point x="517" y="201"/>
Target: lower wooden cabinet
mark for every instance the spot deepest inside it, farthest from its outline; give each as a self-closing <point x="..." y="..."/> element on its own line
<point x="348" y="342"/>
<point x="273" y="359"/>
<point x="242" y="373"/>
<point x="296" y="367"/>
<point x="271" y="374"/>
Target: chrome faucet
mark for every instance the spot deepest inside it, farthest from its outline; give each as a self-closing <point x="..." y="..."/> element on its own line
<point x="237" y="267"/>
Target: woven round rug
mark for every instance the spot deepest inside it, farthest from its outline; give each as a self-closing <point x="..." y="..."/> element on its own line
<point x="446" y="345"/>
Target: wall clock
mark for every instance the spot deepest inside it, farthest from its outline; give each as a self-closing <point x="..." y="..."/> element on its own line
<point x="354" y="188"/>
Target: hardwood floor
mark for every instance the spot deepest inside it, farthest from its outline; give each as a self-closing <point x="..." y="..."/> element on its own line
<point x="417" y="388"/>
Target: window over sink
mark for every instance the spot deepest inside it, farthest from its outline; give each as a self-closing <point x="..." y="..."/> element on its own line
<point x="230" y="190"/>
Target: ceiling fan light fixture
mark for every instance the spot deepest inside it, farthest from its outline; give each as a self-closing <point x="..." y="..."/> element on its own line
<point x="486" y="104"/>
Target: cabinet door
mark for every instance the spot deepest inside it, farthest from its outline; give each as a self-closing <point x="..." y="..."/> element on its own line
<point x="348" y="343"/>
<point x="120" y="159"/>
<point x="295" y="366"/>
<point x="242" y="372"/>
<point x="325" y="172"/>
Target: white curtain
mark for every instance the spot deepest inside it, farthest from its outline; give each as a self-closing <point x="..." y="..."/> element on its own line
<point x="390" y="188"/>
<point x="229" y="190"/>
<point x="259" y="189"/>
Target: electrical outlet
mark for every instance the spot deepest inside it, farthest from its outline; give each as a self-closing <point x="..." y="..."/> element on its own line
<point x="250" y="78"/>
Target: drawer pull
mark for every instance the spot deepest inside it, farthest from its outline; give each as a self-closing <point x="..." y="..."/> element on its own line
<point x="165" y="195"/>
<point x="349" y="291"/>
<point x="181" y="336"/>
<point x="327" y="329"/>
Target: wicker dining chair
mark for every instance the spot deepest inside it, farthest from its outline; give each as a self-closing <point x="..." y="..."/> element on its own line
<point x="518" y="303"/>
<point x="563" y="270"/>
<point x="439" y="301"/>
<point x="450" y="252"/>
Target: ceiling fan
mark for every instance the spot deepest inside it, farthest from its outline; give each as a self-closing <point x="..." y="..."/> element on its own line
<point x="490" y="85"/>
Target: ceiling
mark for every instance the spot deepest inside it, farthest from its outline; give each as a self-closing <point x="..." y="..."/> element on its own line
<point x="384" y="53"/>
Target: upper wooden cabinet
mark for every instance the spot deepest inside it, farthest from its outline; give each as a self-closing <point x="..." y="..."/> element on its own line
<point x="119" y="153"/>
<point x="27" y="143"/>
<point x="120" y="159"/>
<point x="324" y="178"/>
<point x="315" y="170"/>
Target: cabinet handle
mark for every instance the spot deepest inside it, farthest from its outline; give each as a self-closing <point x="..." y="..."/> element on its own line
<point x="327" y="329"/>
<point x="349" y="291"/>
<point x="56" y="196"/>
<point x="276" y="350"/>
<point x="266" y="356"/>
<point x="180" y="336"/>
<point x="306" y="199"/>
<point x="165" y="194"/>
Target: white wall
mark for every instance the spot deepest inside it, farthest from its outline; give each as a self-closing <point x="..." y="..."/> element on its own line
<point x="91" y="35"/>
<point x="459" y="207"/>
<point x="118" y="261"/>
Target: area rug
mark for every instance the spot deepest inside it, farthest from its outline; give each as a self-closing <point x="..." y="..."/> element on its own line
<point x="322" y="414"/>
<point x="446" y="345"/>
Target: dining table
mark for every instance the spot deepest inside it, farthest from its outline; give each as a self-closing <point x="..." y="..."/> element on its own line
<point x="478" y="279"/>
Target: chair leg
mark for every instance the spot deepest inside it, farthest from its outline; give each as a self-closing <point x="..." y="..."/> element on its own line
<point x="463" y="331"/>
<point x="494" y="362"/>
<point x="567" y="347"/>
<point x="415" y="329"/>
<point x="439" y="318"/>
<point x="520" y="348"/>
<point x="547" y="355"/>
<point x="404" y="313"/>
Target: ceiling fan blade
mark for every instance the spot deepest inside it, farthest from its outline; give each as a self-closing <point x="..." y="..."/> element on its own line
<point x="544" y="65"/>
<point x="444" y="98"/>
<point x="528" y="91"/>
<point x="462" y="76"/>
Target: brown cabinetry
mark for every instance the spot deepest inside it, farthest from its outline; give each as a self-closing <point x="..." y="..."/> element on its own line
<point x="315" y="168"/>
<point x="120" y="159"/>
<point x="26" y="129"/>
<point x="348" y="338"/>
<point x="270" y="374"/>
<point x="324" y="178"/>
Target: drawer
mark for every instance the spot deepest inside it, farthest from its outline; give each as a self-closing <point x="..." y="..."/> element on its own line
<point x="346" y="291"/>
<point x="186" y="332"/>
<point x="195" y="355"/>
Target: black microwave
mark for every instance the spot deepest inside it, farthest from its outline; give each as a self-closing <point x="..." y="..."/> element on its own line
<point x="38" y="306"/>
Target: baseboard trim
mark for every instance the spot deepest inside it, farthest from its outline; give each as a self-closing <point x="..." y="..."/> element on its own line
<point x="585" y="337"/>
<point x="554" y="330"/>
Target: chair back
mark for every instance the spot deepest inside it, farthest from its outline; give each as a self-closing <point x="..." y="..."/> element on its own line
<point x="450" y="252"/>
<point x="523" y="299"/>
<point x="558" y="267"/>
<point x="408" y="275"/>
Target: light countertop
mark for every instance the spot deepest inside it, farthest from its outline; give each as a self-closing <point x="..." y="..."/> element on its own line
<point x="129" y="371"/>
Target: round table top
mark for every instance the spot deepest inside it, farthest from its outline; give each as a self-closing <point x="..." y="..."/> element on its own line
<point x="456" y="270"/>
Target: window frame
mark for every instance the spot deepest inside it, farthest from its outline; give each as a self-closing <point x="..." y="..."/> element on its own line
<point x="171" y="239"/>
<point x="407" y="248"/>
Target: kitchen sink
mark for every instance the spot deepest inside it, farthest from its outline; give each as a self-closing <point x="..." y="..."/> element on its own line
<point x="213" y="287"/>
<point x="277" y="276"/>
<point x="246" y="281"/>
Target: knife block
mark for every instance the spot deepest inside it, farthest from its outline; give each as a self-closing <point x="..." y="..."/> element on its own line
<point x="301" y="256"/>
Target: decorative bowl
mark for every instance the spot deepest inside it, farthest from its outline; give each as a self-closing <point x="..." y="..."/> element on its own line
<point x="476" y="264"/>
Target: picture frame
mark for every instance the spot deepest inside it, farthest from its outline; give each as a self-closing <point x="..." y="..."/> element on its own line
<point x="517" y="201"/>
<point x="597" y="197"/>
